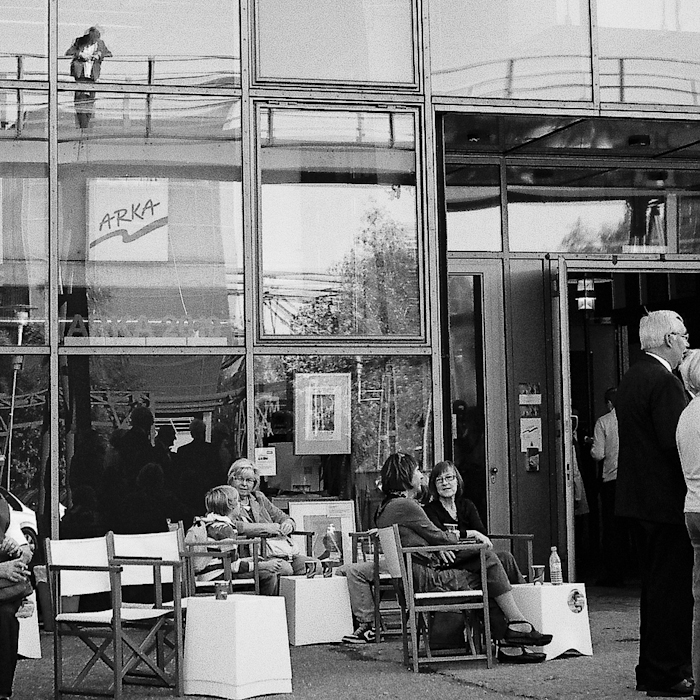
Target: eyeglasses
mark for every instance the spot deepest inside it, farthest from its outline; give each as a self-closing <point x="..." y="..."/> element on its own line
<point x="245" y="480"/>
<point x="445" y="479"/>
<point x="685" y="336"/>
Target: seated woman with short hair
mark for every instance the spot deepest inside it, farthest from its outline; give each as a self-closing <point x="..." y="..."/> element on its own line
<point x="259" y="517"/>
<point x="449" y="506"/>
<point x="451" y="571"/>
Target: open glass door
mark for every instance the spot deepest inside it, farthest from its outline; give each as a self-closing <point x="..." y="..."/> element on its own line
<point x="562" y="405"/>
<point x="477" y="381"/>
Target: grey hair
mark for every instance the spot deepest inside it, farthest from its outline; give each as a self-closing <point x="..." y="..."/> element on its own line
<point x="690" y="371"/>
<point x="656" y="325"/>
<point x="238" y="467"/>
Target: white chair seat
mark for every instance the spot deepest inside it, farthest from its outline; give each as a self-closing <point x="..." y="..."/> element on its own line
<point x="104" y="617"/>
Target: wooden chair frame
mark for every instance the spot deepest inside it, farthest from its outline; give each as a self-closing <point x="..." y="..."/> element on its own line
<point x="227" y="551"/>
<point x="118" y="627"/>
<point x="418" y="605"/>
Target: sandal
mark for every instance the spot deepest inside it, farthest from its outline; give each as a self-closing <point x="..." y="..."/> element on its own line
<point x="520" y="655"/>
<point x="531" y="638"/>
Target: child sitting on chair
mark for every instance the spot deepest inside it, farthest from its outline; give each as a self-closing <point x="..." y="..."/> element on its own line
<point x="222" y="509"/>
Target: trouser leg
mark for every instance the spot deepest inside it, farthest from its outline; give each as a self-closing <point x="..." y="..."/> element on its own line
<point x="360" y="579"/>
<point x="9" y="633"/>
<point x="692" y="521"/>
<point x="666" y="605"/>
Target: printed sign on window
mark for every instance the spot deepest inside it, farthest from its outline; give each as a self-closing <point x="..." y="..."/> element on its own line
<point x="128" y="220"/>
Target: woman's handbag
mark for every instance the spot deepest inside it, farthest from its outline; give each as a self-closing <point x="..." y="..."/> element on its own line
<point x="281" y="547"/>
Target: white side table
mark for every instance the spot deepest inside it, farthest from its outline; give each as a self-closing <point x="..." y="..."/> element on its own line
<point x="561" y="611"/>
<point x="236" y="648"/>
<point x="318" y="609"/>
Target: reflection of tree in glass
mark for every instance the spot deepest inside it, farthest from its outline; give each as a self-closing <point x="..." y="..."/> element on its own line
<point x="378" y="289"/>
<point x="642" y="225"/>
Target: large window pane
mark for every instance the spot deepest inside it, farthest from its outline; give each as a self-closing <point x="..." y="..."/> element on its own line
<point x="327" y="40"/>
<point x="339" y="223"/>
<point x="586" y="211"/>
<point x="649" y="51"/>
<point x="150" y="220"/>
<point x="511" y="49"/>
<point x="137" y="476"/>
<point x="390" y="409"/>
<point x="23" y="39"/>
<point x="689" y="224"/>
<point x="156" y="42"/>
<point x="472" y="194"/>
<point x="23" y="218"/>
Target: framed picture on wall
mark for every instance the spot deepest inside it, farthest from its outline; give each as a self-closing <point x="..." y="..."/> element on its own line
<point x="322" y="414"/>
<point x="331" y="522"/>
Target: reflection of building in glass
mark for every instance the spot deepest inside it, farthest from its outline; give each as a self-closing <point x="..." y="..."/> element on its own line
<point x="201" y="245"/>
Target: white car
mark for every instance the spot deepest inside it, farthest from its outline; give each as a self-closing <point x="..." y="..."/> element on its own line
<point x="25" y="517"/>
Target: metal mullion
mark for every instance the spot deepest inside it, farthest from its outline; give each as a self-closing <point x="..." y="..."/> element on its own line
<point x="429" y="231"/>
<point x="250" y="179"/>
<point x="595" y="54"/>
<point x="25" y="349"/>
<point x="52" y="307"/>
<point x="505" y="106"/>
<point x="135" y="88"/>
<point x="307" y="96"/>
<point x="36" y="85"/>
<point x="150" y="350"/>
<point x="368" y="350"/>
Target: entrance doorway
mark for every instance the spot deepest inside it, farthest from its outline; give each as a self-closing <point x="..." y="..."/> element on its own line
<point x="604" y="309"/>
<point x="478" y="423"/>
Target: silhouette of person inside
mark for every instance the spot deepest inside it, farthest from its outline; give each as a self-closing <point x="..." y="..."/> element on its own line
<point x="88" y="52"/>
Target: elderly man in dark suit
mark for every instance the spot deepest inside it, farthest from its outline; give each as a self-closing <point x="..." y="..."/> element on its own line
<point x="651" y="492"/>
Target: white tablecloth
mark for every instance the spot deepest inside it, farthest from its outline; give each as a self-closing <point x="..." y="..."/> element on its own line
<point x="318" y="609"/>
<point x="561" y="611"/>
<point x="237" y="648"/>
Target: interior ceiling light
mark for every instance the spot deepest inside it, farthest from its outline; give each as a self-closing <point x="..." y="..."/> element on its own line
<point x="639" y="140"/>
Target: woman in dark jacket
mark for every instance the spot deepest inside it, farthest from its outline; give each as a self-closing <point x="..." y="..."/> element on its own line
<point x="449" y="507"/>
<point x="401" y="482"/>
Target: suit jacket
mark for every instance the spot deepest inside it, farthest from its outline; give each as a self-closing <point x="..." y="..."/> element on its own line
<point x="650" y="484"/>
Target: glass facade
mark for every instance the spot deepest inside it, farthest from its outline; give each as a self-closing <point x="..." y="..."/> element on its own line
<point x="206" y="208"/>
<point x="510" y="49"/>
<point x="649" y="51"/>
<point x="349" y="42"/>
<point x="340" y="244"/>
<point x="151" y="240"/>
<point x="154" y="43"/>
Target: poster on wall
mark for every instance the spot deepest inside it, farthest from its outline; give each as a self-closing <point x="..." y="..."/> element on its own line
<point x="322" y="414"/>
<point x="127" y="219"/>
<point x="331" y="522"/>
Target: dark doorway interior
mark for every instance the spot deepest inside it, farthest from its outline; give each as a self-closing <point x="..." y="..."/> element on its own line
<point x="604" y="313"/>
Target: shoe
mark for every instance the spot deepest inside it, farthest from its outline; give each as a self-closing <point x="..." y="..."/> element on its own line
<point x="362" y="635"/>
<point x="682" y="689"/>
<point x="522" y="656"/>
<point x="532" y="638"/>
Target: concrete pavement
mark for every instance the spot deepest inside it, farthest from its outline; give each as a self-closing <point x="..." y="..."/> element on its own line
<point x="376" y="671"/>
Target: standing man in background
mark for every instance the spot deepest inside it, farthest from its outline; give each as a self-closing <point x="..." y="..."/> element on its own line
<point x="605" y="450"/>
<point x="651" y="493"/>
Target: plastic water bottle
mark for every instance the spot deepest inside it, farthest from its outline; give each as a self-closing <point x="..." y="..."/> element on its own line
<point x="555" y="568"/>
